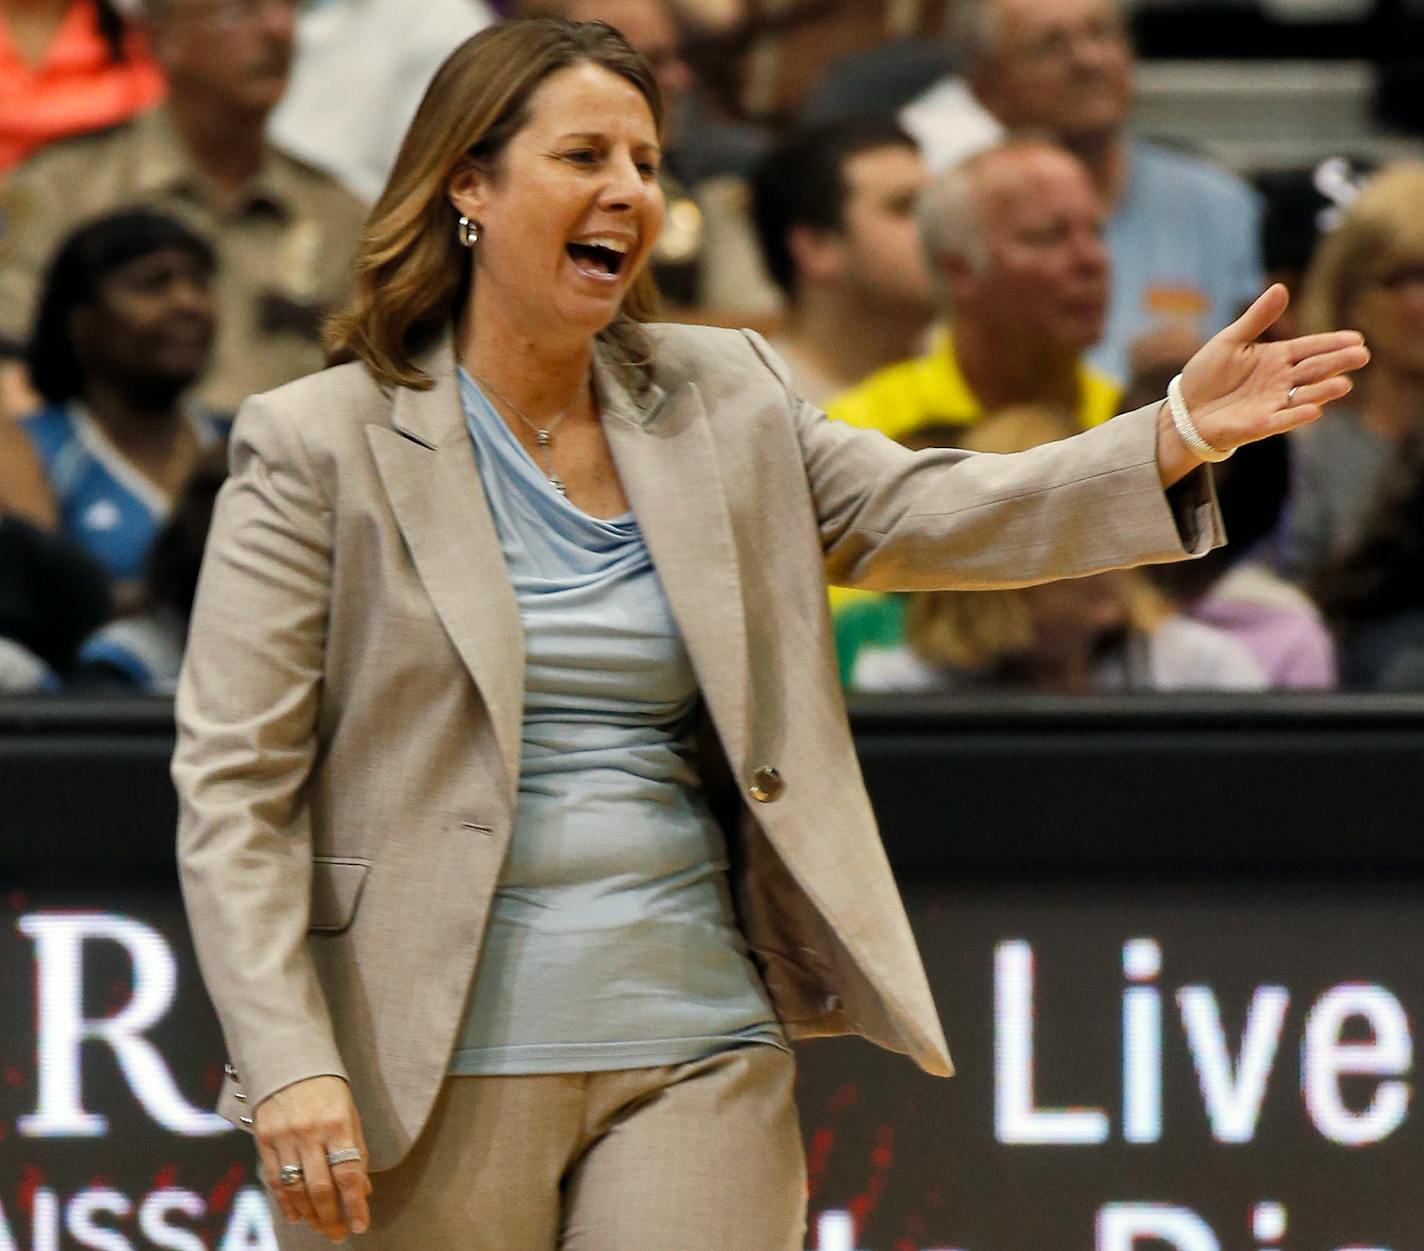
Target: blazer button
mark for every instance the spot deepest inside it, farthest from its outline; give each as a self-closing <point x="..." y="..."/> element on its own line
<point x="766" y="784"/>
<point x="229" y="1071"/>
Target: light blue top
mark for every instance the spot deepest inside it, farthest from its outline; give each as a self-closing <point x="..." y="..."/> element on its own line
<point x="1185" y="242"/>
<point x="612" y="942"/>
<point x="105" y="505"/>
<point x="146" y="651"/>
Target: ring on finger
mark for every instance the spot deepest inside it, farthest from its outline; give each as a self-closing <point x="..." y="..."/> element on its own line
<point x="1290" y="396"/>
<point x="343" y="1155"/>
<point x="290" y="1174"/>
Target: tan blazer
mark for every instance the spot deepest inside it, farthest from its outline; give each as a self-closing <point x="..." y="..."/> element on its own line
<point x="349" y="715"/>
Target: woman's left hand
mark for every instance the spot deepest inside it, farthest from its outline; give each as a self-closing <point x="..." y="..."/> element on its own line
<point x="1238" y="390"/>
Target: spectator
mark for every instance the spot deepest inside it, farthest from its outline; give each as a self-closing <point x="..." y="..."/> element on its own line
<point x="1369" y="272"/>
<point x="124" y="331"/>
<point x="52" y="594"/>
<point x="707" y="265"/>
<point x="393" y="48"/>
<point x="835" y="211"/>
<point x="1235" y="589"/>
<point x="1012" y="240"/>
<point x="1184" y="235"/>
<point x="67" y="66"/>
<point x="142" y="653"/>
<point x="283" y="231"/>
<point x="1107" y="632"/>
<point x="1301" y="205"/>
<point x="1373" y="591"/>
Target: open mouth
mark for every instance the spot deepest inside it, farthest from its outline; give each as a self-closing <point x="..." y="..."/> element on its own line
<point x="598" y="258"/>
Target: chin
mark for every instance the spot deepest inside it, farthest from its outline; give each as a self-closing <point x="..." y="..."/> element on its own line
<point x="263" y="95"/>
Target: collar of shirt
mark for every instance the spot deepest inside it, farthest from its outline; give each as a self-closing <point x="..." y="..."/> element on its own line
<point x="1097" y="393"/>
<point x="167" y="166"/>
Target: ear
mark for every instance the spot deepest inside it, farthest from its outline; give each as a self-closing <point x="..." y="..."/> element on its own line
<point x="468" y="190"/>
<point x="818" y="255"/>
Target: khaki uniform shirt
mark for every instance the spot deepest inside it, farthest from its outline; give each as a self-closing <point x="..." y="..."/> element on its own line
<point x="284" y="244"/>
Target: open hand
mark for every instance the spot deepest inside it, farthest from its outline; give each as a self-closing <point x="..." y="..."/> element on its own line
<point x="298" y="1125"/>
<point x="1239" y="390"/>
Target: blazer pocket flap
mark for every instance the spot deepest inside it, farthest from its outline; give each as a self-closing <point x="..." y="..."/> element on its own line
<point x="336" y="887"/>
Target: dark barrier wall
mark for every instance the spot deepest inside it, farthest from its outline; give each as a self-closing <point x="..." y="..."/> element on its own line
<point x="1176" y="944"/>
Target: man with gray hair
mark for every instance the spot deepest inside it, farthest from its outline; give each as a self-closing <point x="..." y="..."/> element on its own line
<point x="1013" y="240"/>
<point x="1184" y="236"/>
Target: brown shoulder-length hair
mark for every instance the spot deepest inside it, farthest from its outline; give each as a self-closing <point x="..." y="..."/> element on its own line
<point x="412" y="275"/>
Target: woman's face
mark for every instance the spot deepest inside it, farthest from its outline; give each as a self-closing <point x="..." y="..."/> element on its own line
<point x="1390" y="314"/>
<point x="571" y="209"/>
<point x="152" y="325"/>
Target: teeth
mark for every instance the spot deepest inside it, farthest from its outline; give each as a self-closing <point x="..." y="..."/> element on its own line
<point x="621" y="246"/>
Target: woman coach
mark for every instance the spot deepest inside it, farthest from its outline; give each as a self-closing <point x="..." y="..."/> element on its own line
<point x="454" y="882"/>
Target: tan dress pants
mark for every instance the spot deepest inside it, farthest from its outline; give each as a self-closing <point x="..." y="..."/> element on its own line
<point x="704" y="1156"/>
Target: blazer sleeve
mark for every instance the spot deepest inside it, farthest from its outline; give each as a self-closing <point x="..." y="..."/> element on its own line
<point x="895" y="520"/>
<point x="247" y="729"/>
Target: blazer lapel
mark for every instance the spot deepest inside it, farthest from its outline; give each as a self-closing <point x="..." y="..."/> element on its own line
<point x="667" y="462"/>
<point x="427" y="467"/>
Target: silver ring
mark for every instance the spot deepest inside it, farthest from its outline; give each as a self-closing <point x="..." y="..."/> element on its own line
<point x="343" y="1155"/>
<point x="1290" y="396"/>
<point x="291" y="1174"/>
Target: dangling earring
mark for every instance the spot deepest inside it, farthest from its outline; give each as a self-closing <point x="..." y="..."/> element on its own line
<point x="468" y="231"/>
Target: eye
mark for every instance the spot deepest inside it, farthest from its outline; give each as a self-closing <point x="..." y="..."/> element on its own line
<point x="649" y="170"/>
<point x="581" y="156"/>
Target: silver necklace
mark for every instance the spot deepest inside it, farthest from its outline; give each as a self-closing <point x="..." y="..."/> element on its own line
<point x="543" y="435"/>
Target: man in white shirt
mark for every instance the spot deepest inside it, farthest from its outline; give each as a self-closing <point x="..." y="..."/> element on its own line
<point x="1184" y="236"/>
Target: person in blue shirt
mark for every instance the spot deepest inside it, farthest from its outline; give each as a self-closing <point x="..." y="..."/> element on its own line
<point x="141" y="652"/>
<point x="1184" y="236"/>
<point x="123" y="331"/>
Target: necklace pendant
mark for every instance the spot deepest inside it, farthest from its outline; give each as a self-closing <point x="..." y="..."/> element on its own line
<point x="542" y="437"/>
<point x="558" y="484"/>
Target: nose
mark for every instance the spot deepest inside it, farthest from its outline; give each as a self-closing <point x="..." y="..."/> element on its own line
<point x="279" y="21"/>
<point x="188" y="295"/>
<point x="626" y="188"/>
<point x="1090" y="252"/>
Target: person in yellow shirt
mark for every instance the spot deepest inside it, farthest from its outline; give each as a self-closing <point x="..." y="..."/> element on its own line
<point x="1013" y="236"/>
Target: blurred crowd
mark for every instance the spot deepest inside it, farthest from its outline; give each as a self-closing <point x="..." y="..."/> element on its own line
<point x="954" y="237"/>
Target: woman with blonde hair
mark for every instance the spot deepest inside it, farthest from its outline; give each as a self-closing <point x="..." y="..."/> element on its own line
<point x="446" y="840"/>
<point x="1367" y="273"/>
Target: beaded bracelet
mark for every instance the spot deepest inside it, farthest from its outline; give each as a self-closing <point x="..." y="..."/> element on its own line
<point x="1187" y="428"/>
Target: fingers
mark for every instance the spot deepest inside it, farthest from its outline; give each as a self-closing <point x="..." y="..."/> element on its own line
<point x="1308" y="403"/>
<point x="1327" y="364"/>
<point x="1257" y="319"/>
<point x="300" y="1125"/>
<point x="285" y="1197"/>
<point x="1317" y="394"/>
<point x="321" y="1187"/>
<point x="293" y="1200"/>
<point x="1299" y="350"/>
<point x="352" y="1186"/>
